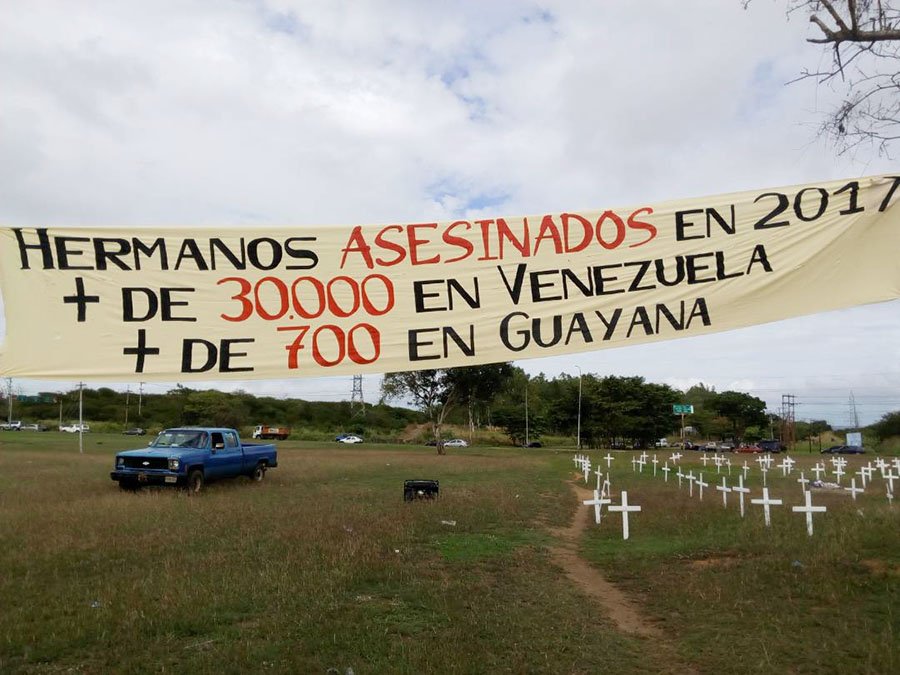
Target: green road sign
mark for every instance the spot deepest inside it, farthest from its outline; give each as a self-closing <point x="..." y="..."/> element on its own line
<point x="683" y="409"/>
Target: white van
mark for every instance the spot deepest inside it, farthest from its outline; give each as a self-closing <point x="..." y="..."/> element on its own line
<point x="662" y="443"/>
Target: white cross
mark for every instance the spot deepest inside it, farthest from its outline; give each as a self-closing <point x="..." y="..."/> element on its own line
<point x="666" y="471"/>
<point x="768" y="460"/>
<point x="644" y="456"/>
<point x="704" y="459"/>
<point x="655" y="462"/>
<point x="790" y="461"/>
<point x="896" y="463"/>
<point x="701" y="484"/>
<point x="641" y="462"/>
<point x="609" y="458"/>
<point x="624" y="509"/>
<point x="634" y="462"/>
<point x="838" y="472"/>
<point x="862" y="476"/>
<point x="597" y="502"/>
<point x="745" y="468"/>
<point x="741" y="490"/>
<point x="691" y="480"/>
<point x="809" y="509"/>
<point x="803" y="481"/>
<point x="606" y="490"/>
<point x="587" y="469"/>
<point x="761" y="460"/>
<point x="890" y="496"/>
<point x="819" y="469"/>
<point x="785" y="466"/>
<point x="841" y="462"/>
<point x="719" y="462"/>
<point x="890" y="477"/>
<point x="724" y="489"/>
<point x="675" y="457"/>
<point x="577" y="460"/>
<point x="853" y="489"/>
<point x="728" y="462"/>
<point x="867" y="472"/>
<point x="680" y="476"/>
<point x="764" y="471"/>
<point x="599" y="473"/>
<point x="834" y="461"/>
<point x="766" y="503"/>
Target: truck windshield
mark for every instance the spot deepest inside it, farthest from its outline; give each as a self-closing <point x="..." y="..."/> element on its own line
<point x="180" y="439"/>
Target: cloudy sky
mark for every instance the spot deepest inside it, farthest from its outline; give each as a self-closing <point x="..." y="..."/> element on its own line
<point x="329" y="112"/>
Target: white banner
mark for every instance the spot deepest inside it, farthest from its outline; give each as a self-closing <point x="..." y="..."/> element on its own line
<point x="235" y="303"/>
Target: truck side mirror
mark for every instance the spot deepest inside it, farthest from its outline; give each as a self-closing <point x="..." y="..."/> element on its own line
<point x="219" y="446"/>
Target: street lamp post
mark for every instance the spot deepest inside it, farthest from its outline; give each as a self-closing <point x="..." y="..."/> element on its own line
<point x="578" y="440"/>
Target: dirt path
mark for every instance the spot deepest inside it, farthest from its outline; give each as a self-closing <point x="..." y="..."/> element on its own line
<point x="623" y="611"/>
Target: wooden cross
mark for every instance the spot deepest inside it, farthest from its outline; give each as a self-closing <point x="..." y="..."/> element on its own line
<point x="819" y="469"/>
<point x="862" y="476"/>
<point x="803" y="481"/>
<point x="838" y="472"/>
<point x="624" y="509"/>
<point x="609" y="458"/>
<point x="655" y="462"/>
<point x="741" y="490"/>
<point x="701" y="485"/>
<point x="809" y="509"/>
<point x="745" y="468"/>
<point x="765" y="502"/>
<point x="691" y="480"/>
<point x="704" y="459"/>
<point x="785" y="467"/>
<point x="724" y="489"/>
<point x="597" y="502"/>
<point x="853" y="489"/>
<point x="666" y="471"/>
<point x="641" y="462"/>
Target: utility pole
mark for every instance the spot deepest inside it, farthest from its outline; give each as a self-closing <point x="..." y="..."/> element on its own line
<point x="81" y="417"/>
<point x="357" y="404"/>
<point x="127" y="393"/>
<point x="854" y="414"/>
<point x="578" y="437"/>
<point x="140" y="398"/>
<point x="788" y="403"/>
<point x="9" y="399"/>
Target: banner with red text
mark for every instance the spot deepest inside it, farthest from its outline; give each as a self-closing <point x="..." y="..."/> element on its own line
<point x="180" y="304"/>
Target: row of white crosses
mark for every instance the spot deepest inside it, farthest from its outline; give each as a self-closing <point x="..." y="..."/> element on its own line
<point x="603" y="496"/>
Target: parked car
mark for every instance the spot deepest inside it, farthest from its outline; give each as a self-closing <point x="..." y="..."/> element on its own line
<point x="33" y="427"/>
<point x="727" y="446"/>
<point x="15" y="425"/>
<point x="349" y="438"/>
<point x="136" y="431"/>
<point x="456" y="443"/>
<point x="533" y="444"/>
<point x="749" y="448"/>
<point x="75" y="427"/>
<point x="662" y="443"/>
<point x="712" y="445"/>
<point x="772" y="445"/>
<point x="191" y="456"/>
<point x="844" y="450"/>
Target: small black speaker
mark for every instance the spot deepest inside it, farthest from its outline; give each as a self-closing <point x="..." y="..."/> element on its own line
<point x="420" y="489"/>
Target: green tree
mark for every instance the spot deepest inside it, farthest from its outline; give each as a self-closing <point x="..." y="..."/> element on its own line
<point x="741" y="410"/>
<point x="888" y="425"/>
<point x="434" y="392"/>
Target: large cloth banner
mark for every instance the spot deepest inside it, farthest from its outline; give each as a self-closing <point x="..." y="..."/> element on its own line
<point x="180" y="304"/>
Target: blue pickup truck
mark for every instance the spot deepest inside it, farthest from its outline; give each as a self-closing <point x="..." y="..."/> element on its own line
<point x="190" y="456"/>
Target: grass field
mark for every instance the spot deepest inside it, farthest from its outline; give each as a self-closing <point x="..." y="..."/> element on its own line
<point x="324" y="566"/>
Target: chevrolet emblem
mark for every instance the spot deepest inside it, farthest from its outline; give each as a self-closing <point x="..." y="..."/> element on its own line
<point x="146" y="463"/>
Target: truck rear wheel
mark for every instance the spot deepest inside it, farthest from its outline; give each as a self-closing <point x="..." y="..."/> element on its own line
<point x="258" y="473"/>
<point x="195" y="481"/>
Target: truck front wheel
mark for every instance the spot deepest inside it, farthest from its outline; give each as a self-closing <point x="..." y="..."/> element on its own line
<point x="258" y="473"/>
<point x="195" y="481"/>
